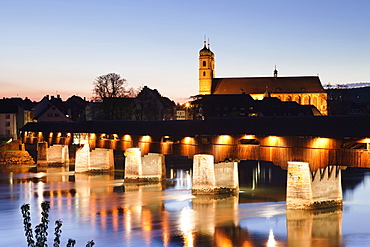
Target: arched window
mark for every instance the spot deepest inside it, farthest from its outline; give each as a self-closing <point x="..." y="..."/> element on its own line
<point x="297" y="99"/>
<point x="204" y="63"/>
<point x="306" y="100"/>
<point x="204" y="73"/>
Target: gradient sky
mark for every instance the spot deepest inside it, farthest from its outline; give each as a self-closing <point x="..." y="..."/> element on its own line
<point x="60" y="46"/>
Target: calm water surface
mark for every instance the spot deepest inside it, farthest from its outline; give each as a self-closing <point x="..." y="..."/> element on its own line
<point x="102" y="208"/>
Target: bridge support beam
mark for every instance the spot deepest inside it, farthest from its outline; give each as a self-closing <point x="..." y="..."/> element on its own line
<point x="210" y="178"/>
<point x="306" y="190"/>
<point x="53" y="155"/>
<point x="150" y="168"/>
<point x="97" y="160"/>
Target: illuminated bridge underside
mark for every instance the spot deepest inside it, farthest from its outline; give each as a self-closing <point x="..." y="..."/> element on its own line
<point x="320" y="141"/>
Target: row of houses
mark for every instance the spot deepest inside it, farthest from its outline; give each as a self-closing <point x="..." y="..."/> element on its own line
<point x="149" y="104"/>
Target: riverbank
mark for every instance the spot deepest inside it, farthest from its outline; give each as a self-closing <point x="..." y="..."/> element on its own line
<point x="13" y="153"/>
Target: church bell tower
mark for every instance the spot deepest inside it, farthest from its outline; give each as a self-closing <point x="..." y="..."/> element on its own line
<point x="206" y="69"/>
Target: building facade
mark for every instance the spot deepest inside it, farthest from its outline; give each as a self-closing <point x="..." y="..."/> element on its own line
<point x="305" y="90"/>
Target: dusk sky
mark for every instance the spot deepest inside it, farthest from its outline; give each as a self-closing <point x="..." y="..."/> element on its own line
<point x="60" y="47"/>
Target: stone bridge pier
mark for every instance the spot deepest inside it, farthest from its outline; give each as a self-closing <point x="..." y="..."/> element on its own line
<point x="150" y="168"/>
<point x="97" y="160"/>
<point x="211" y="178"/>
<point x="313" y="190"/>
<point x="56" y="154"/>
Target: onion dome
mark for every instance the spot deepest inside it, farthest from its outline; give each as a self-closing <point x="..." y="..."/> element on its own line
<point x="206" y="51"/>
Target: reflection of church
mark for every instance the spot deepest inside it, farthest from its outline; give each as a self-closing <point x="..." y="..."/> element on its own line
<point x="305" y="90"/>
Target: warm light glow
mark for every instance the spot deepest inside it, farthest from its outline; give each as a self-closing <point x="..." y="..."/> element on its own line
<point x="249" y="137"/>
<point x="51" y="134"/>
<point x="146" y="138"/>
<point x="224" y="139"/>
<point x="92" y="136"/>
<point x="321" y="143"/>
<point x="272" y="140"/>
<point x="188" y="140"/>
<point x="127" y="138"/>
<point x="59" y="134"/>
<point x="146" y="220"/>
<point x="68" y="134"/>
<point x="115" y="136"/>
<point x="187" y="105"/>
<point x="102" y="136"/>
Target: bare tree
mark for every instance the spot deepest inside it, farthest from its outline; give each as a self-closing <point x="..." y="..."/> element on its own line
<point x="112" y="93"/>
<point x="109" y="86"/>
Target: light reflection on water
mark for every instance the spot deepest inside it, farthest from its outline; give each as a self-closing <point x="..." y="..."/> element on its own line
<point x="102" y="208"/>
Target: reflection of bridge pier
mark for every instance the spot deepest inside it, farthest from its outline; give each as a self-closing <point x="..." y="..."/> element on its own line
<point x="314" y="227"/>
<point x="211" y="207"/>
<point x="212" y="211"/>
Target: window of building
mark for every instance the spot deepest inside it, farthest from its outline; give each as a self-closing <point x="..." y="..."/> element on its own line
<point x="204" y="63"/>
<point x="7" y="124"/>
<point x="56" y="115"/>
<point x="7" y="116"/>
<point x="7" y="132"/>
<point x="50" y="114"/>
<point x="204" y="73"/>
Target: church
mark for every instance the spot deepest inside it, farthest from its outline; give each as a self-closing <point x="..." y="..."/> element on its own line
<point x="305" y="90"/>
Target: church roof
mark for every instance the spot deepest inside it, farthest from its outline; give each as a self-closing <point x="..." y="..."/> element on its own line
<point x="259" y="85"/>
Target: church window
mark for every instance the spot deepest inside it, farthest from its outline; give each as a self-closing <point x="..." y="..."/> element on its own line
<point x="204" y="63"/>
<point x="204" y="73"/>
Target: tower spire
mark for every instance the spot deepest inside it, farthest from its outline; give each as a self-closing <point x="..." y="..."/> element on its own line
<point x="206" y="68"/>
<point x="275" y="72"/>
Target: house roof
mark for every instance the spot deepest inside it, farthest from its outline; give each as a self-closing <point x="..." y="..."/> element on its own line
<point x="8" y="106"/>
<point x="259" y="85"/>
<point x="323" y="126"/>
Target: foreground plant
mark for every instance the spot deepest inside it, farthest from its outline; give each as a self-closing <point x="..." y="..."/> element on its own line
<point x="41" y="229"/>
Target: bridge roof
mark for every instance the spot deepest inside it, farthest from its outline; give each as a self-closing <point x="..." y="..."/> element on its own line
<point x="323" y="126"/>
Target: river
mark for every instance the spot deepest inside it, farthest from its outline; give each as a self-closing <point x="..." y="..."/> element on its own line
<point x="102" y="208"/>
